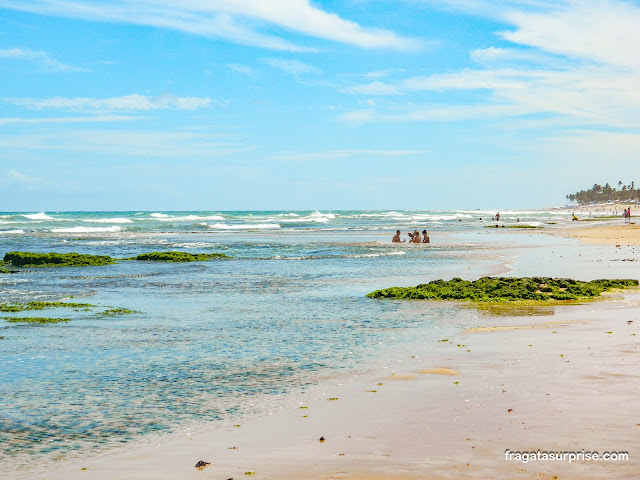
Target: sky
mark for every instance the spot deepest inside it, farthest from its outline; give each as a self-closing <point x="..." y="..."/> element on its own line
<point x="304" y="105"/>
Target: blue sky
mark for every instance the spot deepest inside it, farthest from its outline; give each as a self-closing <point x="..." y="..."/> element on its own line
<point x="292" y="104"/>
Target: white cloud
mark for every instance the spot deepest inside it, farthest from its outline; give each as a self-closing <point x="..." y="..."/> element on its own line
<point x="346" y="153"/>
<point x="91" y="119"/>
<point x="374" y="89"/>
<point x="374" y="74"/>
<point x="602" y="31"/>
<point x="244" y="69"/>
<point x="133" y="102"/>
<point x="232" y="20"/>
<point x="142" y="143"/>
<point x="494" y="55"/>
<point x="18" y="178"/>
<point x="41" y="58"/>
<point x="573" y="63"/>
<point x="292" y="67"/>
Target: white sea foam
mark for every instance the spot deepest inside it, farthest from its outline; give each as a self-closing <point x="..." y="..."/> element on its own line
<point x="112" y="229"/>
<point x="372" y="255"/>
<point x="38" y="216"/>
<point x="187" y="218"/>
<point x="384" y="215"/>
<point x="244" y="226"/>
<point x="196" y="217"/>
<point x="107" y="220"/>
<point x="11" y="232"/>
<point x="316" y="217"/>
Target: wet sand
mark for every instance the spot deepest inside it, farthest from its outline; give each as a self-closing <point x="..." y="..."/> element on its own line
<point x="563" y="386"/>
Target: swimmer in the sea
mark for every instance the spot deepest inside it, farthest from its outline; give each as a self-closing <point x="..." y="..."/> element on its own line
<point x="396" y="238"/>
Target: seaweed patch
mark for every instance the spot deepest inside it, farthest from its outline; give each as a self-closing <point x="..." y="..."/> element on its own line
<point x="117" y="311"/>
<point x="174" y="256"/>
<point x="53" y="259"/>
<point x="20" y="307"/>
<point x="38" y="320"/>
<point x="505" y="289"/>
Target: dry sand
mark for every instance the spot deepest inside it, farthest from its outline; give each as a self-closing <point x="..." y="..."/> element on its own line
<point x="628" y="234"/>
<point x="553" y="389"/>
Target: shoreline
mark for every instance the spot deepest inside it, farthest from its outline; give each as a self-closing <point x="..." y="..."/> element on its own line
<point x="450" y="408"/>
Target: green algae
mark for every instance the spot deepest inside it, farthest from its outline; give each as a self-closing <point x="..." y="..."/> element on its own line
<point x="20" y="307"/>
<point x="53" y="259"/>
<point x="3" y="268"/>
<point x="174" y="256"/>
<point x="505" y="289"/>
<point x="117" y="311"/>
<point x="37" y="320"/>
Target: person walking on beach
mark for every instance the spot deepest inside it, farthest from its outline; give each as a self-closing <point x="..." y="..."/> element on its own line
<point x="396" y="238"/>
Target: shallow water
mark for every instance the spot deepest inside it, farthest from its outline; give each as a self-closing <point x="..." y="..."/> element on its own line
<point x="221" y="340"/>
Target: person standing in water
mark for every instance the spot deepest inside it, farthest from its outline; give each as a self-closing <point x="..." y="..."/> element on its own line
<point x="396" y="238"/>
<point x="498" y="217"/>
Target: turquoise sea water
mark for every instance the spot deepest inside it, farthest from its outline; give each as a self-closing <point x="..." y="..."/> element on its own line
<point x="216" y="341"/>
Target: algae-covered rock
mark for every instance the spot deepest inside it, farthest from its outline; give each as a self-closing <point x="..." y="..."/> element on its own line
<point x="177" y="257"/>
<point x="506" y="289"/>
<point x="52" y="259"/>
<point x="19" y="307"/>
<point x="4" y="269"/>
<point x="117" y="311"/>
<point x="38" y="320"/>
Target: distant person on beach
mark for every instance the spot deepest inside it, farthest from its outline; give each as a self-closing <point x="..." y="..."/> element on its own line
<point x="415" y="238"/>
<point x="574" y="218"/>
<point x="425" y="237"/>
<point x="498" y="217"/>
<point x="396" y="238"/>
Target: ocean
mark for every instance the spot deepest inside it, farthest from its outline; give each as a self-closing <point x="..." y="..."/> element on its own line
<point x="214" y="343"/>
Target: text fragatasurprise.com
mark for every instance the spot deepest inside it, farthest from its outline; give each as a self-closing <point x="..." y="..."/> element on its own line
<point x="544" y="456"/>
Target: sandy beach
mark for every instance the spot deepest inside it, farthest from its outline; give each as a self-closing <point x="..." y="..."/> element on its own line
<point x="628" y="234"/>
<point x="552" y="379"/>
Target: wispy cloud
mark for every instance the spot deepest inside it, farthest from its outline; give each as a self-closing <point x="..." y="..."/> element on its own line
<point x="244" y="69"/>
<point x="89" y="119"/>
<point x="231" y="20"/>
<point x="41" y="58"/>
<point x="133" y="102"/>
<point x="345" y="153"/>
<point x="373" y="74"/>
<point x="29" y="182"/>
<point x="142" y="143"/>
<point x="374" y="89"/>
<point x="573" y="61"/>
<point x="292" y="67"/>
